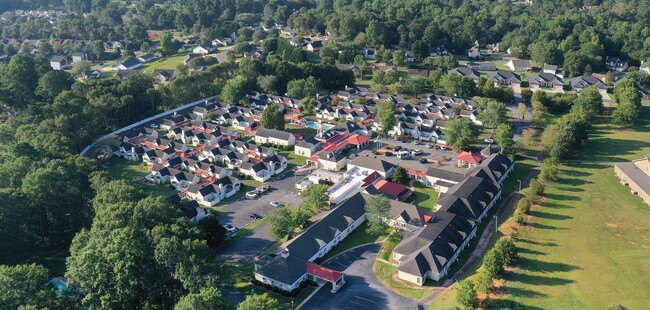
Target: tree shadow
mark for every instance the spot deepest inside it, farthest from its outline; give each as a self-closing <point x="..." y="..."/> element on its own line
<point x="543" y="226"/>
<point x="529" y="251"/>
<point x="541" y="266"/>
<point x="522" y="292"/>
<point x="538" y="280"/>
<point x="577" y="173"/>
<point x="552" y="244"/>
<point x="573" y="181"/>
<point x="563" y="197"/>
<point x="550" y="216"/>
<point x="553" y="205"/>
<point x="586" y="165"/>
<point x="570" y="189"/>
<point x="502" y="303"/>
<point x="609" y="149"/>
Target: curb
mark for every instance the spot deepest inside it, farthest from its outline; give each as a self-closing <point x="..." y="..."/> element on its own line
<point x="309" y="297"/>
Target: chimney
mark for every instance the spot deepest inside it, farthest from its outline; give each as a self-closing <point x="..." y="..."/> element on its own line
<point x="285" y="253"/>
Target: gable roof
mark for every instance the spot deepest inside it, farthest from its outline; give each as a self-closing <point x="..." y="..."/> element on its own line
<point x="130" y="62"/>
<point x="372" y="163"/>
<point x="273" y="133"/>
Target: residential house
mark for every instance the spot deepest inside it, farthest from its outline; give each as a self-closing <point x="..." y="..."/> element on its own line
<point x="188" y="57"/>
<point x="615" y="64"/>
<point x="221" y="41"/>
<point x="79" y="57"/>
<point x="274" y="137"/>
<point x="213" y="193"/>
<point x="369" y="52"/>
<point x="465" y="72"/>
<point x="307" y="147"/>
<point x="256" y="170"/>
<point x="130" y="64"/>
<point x="482" y="66"/>
<point x="644" y="67"/>
<point x="144" y="58"/>
<point x="504" y="77"/>
<point x="182" y="180"/>
<point x="474" y="53"/>
<point x="160" y="174"/>
<point x="191" y="209"/>
<point x="164" y="75"/>
<point x="58" y="62"/>
<point x="123" y="74"/>
<point x="356" y="70"/>
<point x="545" y="81"/>
<point x="314" y="46"/>
<point x="93" y="74"/>
<point x="553" y="69"/>
<point x="581" y="82"/>
<point x="204" y="49"/>
<point x="519" y="65"/>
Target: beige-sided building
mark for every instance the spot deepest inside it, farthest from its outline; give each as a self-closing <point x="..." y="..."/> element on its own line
<point x="636" y="175"/>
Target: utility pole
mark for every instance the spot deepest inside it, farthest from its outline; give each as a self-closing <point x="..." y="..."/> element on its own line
<point x="519" y="185"/>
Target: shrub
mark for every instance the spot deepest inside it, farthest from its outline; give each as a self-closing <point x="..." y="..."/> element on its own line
<point x="536" y="186"/>
<point x="523" y="205"/>
<point x="519" y="218"/>
<point x="530" y="194"/>
<point x="506" y="249"/>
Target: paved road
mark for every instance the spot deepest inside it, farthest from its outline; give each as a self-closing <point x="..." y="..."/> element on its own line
<point x="362" y="290"/>
<point x="236" y="214"/>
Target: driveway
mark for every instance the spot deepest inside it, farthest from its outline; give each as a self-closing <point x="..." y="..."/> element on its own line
<point x="236" y="214"/>
<point x="362" y="290"/>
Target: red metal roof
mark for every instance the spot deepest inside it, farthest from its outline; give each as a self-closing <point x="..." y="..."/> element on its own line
<point x="470" y="157"/>
<point x="415" y="172"/>
<point x="323" y="272"/>
<point x="358" y="139"/>
<point x="390" y="188"/>
<point x="370" y="179"/>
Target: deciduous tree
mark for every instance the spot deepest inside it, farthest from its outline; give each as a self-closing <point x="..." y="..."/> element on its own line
<point x="272" y="118"/>
<point x="460" y="133"/>
<point x="377" y="207"/>
<point x="386" y="116"/>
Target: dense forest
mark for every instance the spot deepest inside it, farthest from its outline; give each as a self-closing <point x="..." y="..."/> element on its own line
<point x="577" y="34"/>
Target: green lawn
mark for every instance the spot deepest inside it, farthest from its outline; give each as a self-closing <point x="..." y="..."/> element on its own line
<point x="120" y="169"/>
<point x="384" y="271"/>
<point x="358" y="237"/>
<point x="165" y="63"/>
<point x="425" y="197"/>
<point x="293" y="158"/>
<point x="305" y="132"/>
<point x="587" y="246"/>
<point x="389" y="245"/>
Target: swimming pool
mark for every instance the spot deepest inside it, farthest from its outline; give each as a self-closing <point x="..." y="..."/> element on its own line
<point x="314" y="125"/>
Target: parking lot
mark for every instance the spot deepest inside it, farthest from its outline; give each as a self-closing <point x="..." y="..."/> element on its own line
<point x="362" y="290"/>
<point x="237" y="215"/>
<point x="446" y="158"/>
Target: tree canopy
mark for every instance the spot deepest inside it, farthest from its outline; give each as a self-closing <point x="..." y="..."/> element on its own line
<point x="460" y="133"/>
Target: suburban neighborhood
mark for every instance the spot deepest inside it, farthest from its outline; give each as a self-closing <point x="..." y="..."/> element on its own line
<point x="206" y="154"/>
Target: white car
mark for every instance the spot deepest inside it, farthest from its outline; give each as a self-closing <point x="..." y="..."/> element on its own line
<point x="489" y="140"/>
<point x="154" y="126"/>
<point x="252" y="194"/>
<point x="416" y="152"/>
<point x="263" y="188"/>
<point x="276" y="204"/>
<point x="403" y="154"/>
<point x="229" y="229"/>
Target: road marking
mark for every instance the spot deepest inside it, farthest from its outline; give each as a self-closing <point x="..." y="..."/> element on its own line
<point x="344" y="266"/>
<point x="366" y="299"/>
<point x="360" y="304"/>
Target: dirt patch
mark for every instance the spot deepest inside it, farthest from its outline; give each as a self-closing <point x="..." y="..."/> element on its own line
<point x="611" y="225"/>
<point x="647" y="247"/>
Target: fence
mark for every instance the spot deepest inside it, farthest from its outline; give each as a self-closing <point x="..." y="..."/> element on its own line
<point x="144" y="121"/>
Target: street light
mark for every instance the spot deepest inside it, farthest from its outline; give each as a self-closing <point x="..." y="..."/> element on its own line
<point x="292" y="305"/>
<point x="496" y="223"/>
<point x="519" y="185"/>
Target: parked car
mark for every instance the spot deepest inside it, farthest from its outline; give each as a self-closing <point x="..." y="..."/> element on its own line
<point x="489" y="140"/>
<point x="263" y="189"/>
<point x="423" y="160"/>
<point x="389" y="154"/>
<point x="417" y="142"/>
<point x="252" y="194"/>
<point x="403" y="154"/>
<point x="397" y="148"/>
<point x="229" y="229"/>
<point x="416" y="152"/>
<point x="254" y="216"/>
<point x="154" y="126"/>
<point x="275" y="204"/>
<point x="431" y="146"/>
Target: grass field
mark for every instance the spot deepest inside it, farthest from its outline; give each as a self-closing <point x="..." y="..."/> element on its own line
<point x="384" y="271"/>
<point x="588" y="245"/>
<point x="359" y="237"/>
<point x="165" y="63"/>
<point x="425" y="197"/>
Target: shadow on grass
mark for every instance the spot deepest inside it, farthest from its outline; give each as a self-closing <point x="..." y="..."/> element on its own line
<point x="576" y="173"/>
<point x="544" y="226"/>
<point x="586" y="165"/>
<point x="550" y="216"/>
<point x="529" y="251"/>
<point x="563" y="197"/>
<point x="540" y="266"/>
<point x="538" y="280"/>
<point x="570" y="189"/>
<point x="573" y="181"/>
<point x="522" y="292"/>
<point x="554" y="205"/>
<point x="609" y="149"/>
<point x="537" y="242"/>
